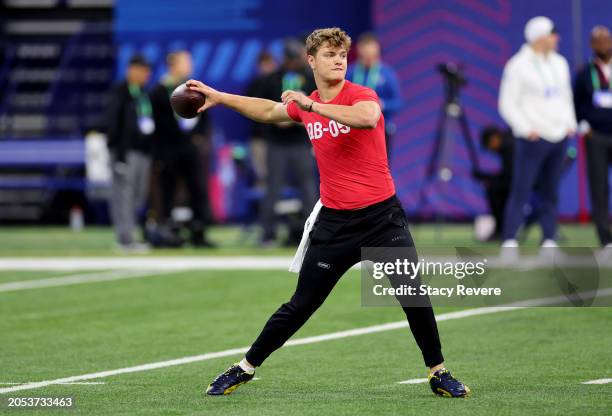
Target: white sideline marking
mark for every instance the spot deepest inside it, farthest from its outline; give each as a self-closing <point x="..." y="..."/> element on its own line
<point x="145" y="263"/>
<point x="300" y="341"/>
<point x="598" y="381"/>
<point x="78" y="279"/>
<point x="413" y="381"/>
<point x="237" y="263"/>
<point x="84" y="383"/>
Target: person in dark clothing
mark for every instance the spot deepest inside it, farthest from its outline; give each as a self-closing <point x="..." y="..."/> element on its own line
<point x="130" y="129"/>
<point x="177" y="151"/>
<point x="593" y="103"/>
<point x="288" y="151"/>
<point x="265" y="66"/>
<point x="497" y="185"/>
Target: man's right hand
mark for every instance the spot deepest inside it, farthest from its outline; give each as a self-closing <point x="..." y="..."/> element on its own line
<point x="533" y="136"/>
<point x="213" y="97"/>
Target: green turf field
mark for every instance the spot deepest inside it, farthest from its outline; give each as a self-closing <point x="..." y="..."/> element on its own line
<point x="528" y="361"/>
<point x="233" y="241"/>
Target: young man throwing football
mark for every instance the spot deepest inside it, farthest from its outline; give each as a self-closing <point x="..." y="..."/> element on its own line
<point x="360" y="209"/>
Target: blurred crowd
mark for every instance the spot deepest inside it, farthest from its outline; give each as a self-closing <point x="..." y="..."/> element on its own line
<point x="160" y="160"/>
<point x="545" y="107"/>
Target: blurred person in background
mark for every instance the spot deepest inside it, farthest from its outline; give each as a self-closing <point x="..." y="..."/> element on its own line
<point x="266" y="64"/>
<point x="288" y="146"/>
<point x="177" y="149"/>
<point x="130" y="129"/>
<point x="593" y="102"/>
<point x="497" y="185"/>
<point x="535" y="99"/>
<point x="370" y="71"/>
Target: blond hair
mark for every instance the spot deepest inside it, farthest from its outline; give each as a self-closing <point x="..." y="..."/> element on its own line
<point x="333" y="36"/>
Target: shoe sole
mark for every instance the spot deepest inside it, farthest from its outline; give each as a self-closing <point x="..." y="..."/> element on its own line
<point x="443" y="393"/>
<point x="227" y="391"/>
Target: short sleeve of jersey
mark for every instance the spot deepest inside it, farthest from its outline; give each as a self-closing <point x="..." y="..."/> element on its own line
<point x="294" y="112"/>
<point x="364" y="94"/>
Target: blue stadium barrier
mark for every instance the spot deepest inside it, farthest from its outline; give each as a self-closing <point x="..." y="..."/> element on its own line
<point x="44" y="157"/>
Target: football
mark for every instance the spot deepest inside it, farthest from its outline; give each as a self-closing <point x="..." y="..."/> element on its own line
<point x="185" y="102"/>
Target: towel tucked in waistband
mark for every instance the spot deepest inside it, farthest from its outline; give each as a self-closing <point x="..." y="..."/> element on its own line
<point x="296" y="263"/>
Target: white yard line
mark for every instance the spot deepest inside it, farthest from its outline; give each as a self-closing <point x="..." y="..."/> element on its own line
<point x="83" y="383"/>
<point x="239" y="351"/>
<point x="599" y="381"/>
<point x="300" y="341"/>
<point x="414" y="381"/>
<point x="78" y="279"/>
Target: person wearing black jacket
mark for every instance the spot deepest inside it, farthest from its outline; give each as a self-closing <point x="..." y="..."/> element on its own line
<point x="177" y="148"/>
<point x="288" y="150"/>
<point x="593" y="103"/>
<point x="258" y="146"/>
<point x="130" y="127"/>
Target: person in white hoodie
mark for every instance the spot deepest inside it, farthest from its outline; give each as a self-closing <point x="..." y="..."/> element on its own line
<point x="535" y="99"/>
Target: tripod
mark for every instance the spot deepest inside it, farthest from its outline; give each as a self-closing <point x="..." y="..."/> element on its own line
<point x="440" y="162"/>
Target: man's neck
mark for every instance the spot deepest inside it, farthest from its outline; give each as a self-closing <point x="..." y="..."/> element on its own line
<point x="539" y="50"/>
<point x="603" y="61"/>
<point x="132" y="83"/>
<point x="329" y="90"/>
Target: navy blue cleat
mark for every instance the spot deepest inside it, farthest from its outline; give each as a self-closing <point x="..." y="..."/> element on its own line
<point x="444" y="384"/>
<point x="228" y="381"/>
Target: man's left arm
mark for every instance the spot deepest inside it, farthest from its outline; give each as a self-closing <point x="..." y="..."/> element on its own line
<point x="361" y="115"/>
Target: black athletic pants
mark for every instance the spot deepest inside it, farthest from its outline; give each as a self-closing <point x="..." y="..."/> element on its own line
<point x="335" y="246"/>
<point x="186" y="163"/>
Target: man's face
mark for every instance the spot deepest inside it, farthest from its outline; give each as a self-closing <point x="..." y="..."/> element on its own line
<point x="552" y="42"/>
<point x="293" y="64"/>
<point x="182" y="67"/>
<point x="139" y="74"/>
<point x="368" y="52"/>
<point x="495" y="142"/>
<point x="602" y="44"/>
<point x="329" y="63"/>
<point x="267" y="66"/>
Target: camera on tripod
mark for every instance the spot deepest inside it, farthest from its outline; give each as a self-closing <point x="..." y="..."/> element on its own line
<point x="453" y="72"/>
<point x="441" y="161"/>
<point x="454" y="80"/>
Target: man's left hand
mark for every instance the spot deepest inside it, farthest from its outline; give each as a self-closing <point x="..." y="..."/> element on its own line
<point x="297" y="97"/>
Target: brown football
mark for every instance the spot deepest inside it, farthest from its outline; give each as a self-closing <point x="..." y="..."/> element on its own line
<point x="185" y="102"/>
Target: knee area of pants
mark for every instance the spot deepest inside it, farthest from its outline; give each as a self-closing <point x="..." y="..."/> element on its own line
<point x="303" y="306"/>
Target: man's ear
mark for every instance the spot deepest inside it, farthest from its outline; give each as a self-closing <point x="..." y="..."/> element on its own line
<point x="311" y="62"/>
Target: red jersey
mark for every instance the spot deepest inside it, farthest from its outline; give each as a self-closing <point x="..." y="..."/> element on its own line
<point x="352" y="162"/>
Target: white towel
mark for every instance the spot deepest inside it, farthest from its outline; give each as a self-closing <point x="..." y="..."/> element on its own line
<point x="296" y="264"/>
